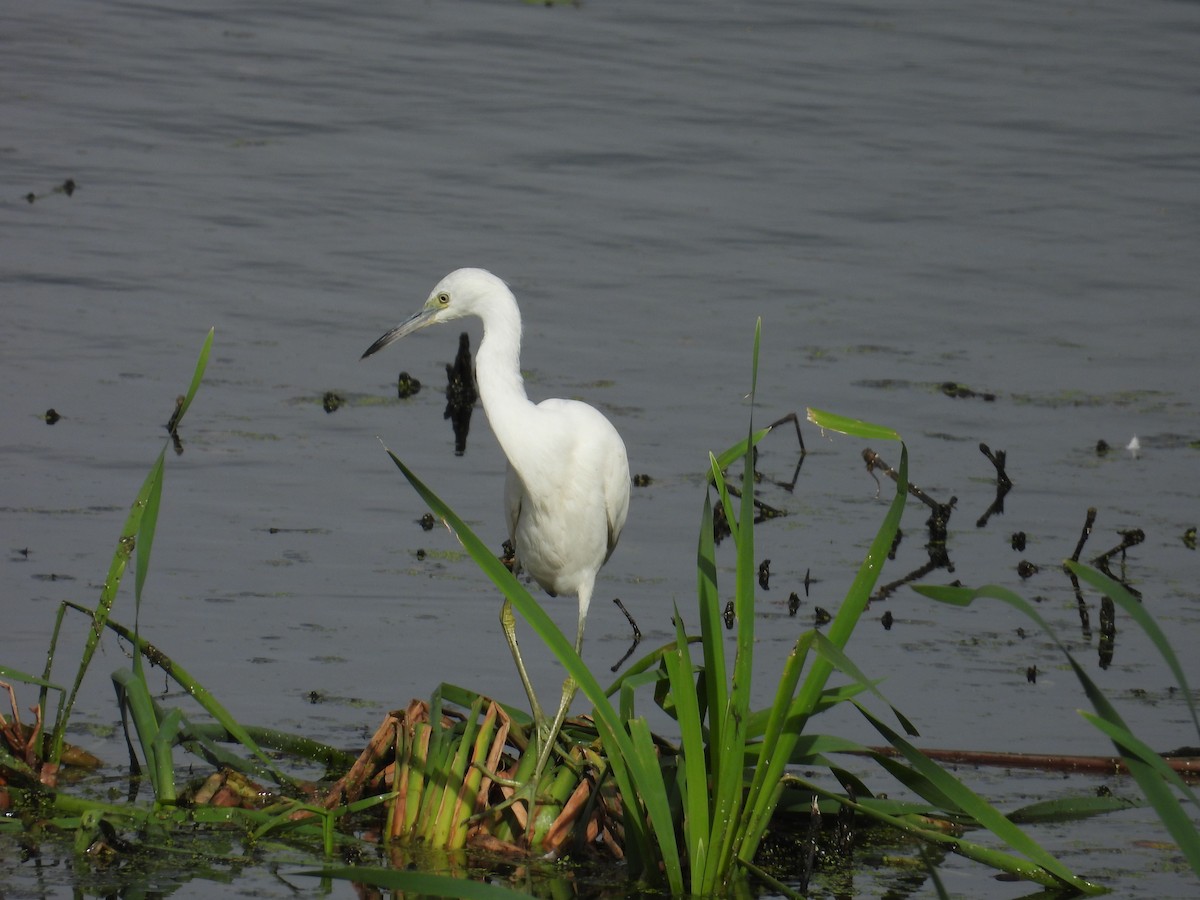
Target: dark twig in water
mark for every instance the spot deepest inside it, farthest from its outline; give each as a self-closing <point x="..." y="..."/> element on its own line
<point x="1088" y="523"/>
<point x="1130" y="538"/>
<point x="875" y="461"/>
<point x="936" y="561"/>
<point x="937" y="523"/>
<point x="721" y="524"/>
<point x="997" y="459"/>
<point x="1185" y="761"/>
<point x="789" y="486"/>
<point x="794" y="419"/>
<point x="1108" y="632"/>
<point x="1085" y="619"/>
<point x="765" y="510"/>
<point x="637" y="634"/>
<point x="1003" y="484"/>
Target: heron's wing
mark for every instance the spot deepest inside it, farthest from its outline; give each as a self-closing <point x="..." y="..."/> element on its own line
<point x="513" y="493"/>
<point x="616" y="492"/>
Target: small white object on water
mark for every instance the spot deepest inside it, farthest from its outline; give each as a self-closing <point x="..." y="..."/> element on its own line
<point x="1134" y="447"/>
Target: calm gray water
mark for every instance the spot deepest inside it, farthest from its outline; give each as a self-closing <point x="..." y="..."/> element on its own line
<point x="1001" y="194"/>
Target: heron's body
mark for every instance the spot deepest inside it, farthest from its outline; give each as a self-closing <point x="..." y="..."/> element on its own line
<point x="566" y="494"/>
<point x="564" y="531"/>
<point x="567" y="490"/>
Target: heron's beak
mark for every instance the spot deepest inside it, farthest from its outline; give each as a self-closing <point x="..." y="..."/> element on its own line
<point x="420" y="320"/>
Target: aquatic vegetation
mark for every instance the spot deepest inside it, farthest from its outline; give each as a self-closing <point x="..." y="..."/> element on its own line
<point x="688" y="816"/>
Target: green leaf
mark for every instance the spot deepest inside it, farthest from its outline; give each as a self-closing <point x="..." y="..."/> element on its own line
<point x="637" y="777"/>
<point x="1136" y="611"/>
<point x="853" y="427"/>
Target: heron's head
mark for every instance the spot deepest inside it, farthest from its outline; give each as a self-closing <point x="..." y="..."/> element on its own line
<point x="464" y="292"/>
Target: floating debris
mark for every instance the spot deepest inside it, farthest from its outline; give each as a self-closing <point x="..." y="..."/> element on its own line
<point x="406" y="386"/>
<point x="961" y="392"/>
<point x="67" y="187"/>
<point x="332" y="401"/>
<point x="764" y="575"/>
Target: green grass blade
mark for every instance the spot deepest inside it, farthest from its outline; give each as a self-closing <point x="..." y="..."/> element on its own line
<point x="811" y="693"/>
<point x="973" y="805"/>
<point x="194" y="689"/>
<point x="147" y="525"/>
<point x="100" y="615"/>
<point x="1136" y="611"/>
<point x="17" y="675"/>
<point x="712" y="635"/>
<point x="996" y="859"/>
<point x="197" y="376"/>
<point x="134" y="698"/>
<point x="697" y="824"/>
<point x="164" y="740"/>
<point x="629" y="768"/>
<point x="1133" y="746"/>
<point x="738" y="450"/>
<point x="1069" y="809"/>
<point x="1148" y="777"/>
<point x="133" y="533"/>
<point x="717" y="475"/>
<point x="853" y="427"/>
<point x="728" y="788"/>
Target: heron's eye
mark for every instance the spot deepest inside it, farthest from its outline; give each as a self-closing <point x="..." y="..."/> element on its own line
<point x="443" y="299"/>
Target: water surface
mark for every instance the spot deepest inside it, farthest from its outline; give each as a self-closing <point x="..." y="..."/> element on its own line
<point x="1003" y="196"/>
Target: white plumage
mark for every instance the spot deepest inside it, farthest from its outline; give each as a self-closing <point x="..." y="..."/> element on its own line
<point x="566" y="493"/>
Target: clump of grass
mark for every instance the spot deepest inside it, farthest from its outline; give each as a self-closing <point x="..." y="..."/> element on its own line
<point x="1162" y="786"/>
<point x="688" y="817"/>
<point x="30" y="760"/>
<point x="695" y="816"/>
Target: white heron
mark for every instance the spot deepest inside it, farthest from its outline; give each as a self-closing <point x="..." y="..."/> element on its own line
<point x="566" y="493"/>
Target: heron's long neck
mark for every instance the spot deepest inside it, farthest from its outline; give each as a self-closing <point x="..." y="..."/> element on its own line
<point x="498" y="375"/>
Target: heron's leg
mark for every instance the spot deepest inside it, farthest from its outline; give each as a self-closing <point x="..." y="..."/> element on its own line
<point x="509" y="623"/>
<point x="570" y="688"/>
